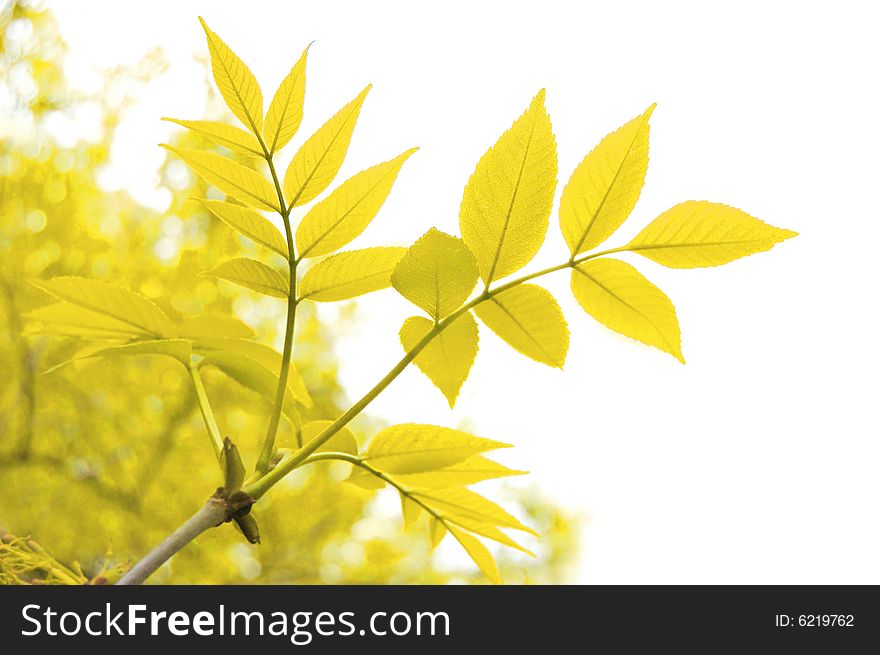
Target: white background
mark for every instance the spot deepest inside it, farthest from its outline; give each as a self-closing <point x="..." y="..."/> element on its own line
<point x="755" y="462"/>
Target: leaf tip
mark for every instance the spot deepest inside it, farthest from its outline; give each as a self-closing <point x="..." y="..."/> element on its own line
<point x="650" y="110"/>
<point x="539" y="98"/>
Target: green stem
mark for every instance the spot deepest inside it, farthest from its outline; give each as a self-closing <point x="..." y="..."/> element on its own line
<point x="207" y="412"/>
<point x="260" y="486"/>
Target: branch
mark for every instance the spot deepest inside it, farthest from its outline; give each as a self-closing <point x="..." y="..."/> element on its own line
<point x="212" y="514"/>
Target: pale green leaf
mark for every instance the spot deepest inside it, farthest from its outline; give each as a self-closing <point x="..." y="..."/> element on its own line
<point x="348" y="210"/>
<point x="697" y="233"/>
<point x="621" y="298"/>
<point x="253" y="275"/>
<point x="251" y="224"/>
<point x="507" y="201"/>
<point x="461" y="474"/>
<point x="213" y="326"/>
<point x="448" y="357"/>
<point x="349" y="274"/>
<point x="478" y="553"/>
<point x="529" y="319"/>
<point x="267" y="357"/>
<point x="341" y="442"/>
<point x="236" y="83"/>
<point x="605" y="186"/>
<point x="437" y="273"/>
<point x="317" y="161"/>
<point x="228" y="136"/>
<point x="286" y="109"/>
<point x="230" y="177"/>
<point x="116" y="302"/>
<point x="413" y="448"/>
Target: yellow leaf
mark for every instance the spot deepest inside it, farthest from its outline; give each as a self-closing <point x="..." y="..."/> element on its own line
<point x="349" y="274"/>
<point x="364" y="479"/>
<point x="209" y="326"/>
<point x="318" y="160"/>
<point x="438" y="531"/>
<point x="697" y="233"/>
<point x="448" y="358"/>
<point x="253" y="275"/>
<point x="116" y="302"/>
<point x="507" y="201"/>
<point x="251" y="224"/>
<point x="346" y="212"/>
<point x="464" y="473"/>
<point x="489" y="531"/>
<point x="605" y="186"/>
<point x="413" y="448"/>
<point x="478" y="553"/>
<point x="458" y="503"/>
<point x="179" y="349"/>
<point x="410" y="510"/>
<point x="267" y="357"/>
<point x="67" y="320"/>
<point x="225" y="135"/>
<point x="529" y="319"/>
<point x="341" y="442"/>
<point x="236" y="83"/>
<point x="619" y="297"/>
<point x="231" y="178"/>
<point x="437" y="273"/>
<point x="286" y="109"/>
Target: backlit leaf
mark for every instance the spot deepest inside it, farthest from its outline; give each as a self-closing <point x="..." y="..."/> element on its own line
<point x="529" y="319"/>
<point x="448" y="358"/>
<point x="231" y="178"/>
<point x="507" y="201"/>
<point x="68" y="320"/>
<point x="286" y="109"/>
<point x="438" y="531"/>
<point x="347" y="211"/>
<point x="697" y="233"/>
<point x="253" y="275"/>
<point x="478" y="553"/>
<point x="349" y="274"/>
<point x="466" y="505"/>
<point x="605" y="186"/>
<point x="621" y="298"/>
<point x="318" y="160"/>
<point x="364" y="479"/>
<point x="228" y="136"/>
<point x="210" y="326"/>
<point x="236" y="83"/>
<point x="473" y="469"/>
<point x="410" y="510"/>
<point x="437" y="273"/>
<point x="251" y="224"/>
<point x="341" y="442"/>
<point x="413" y="448"/>
<point x="116" y="302"/>
<point x="179" y="349"/>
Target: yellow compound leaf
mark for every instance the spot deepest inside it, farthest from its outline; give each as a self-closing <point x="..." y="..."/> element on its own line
<point x="413" y="448"/>
<point x="350" y="274"/>
<point x="346" y="212"/>
<point x="266" y="357"/>
<point x="286" y="109"/>
<point x="228" y="136"/>
<point x="697" y="233"/>
<point x="621" y="298"/>
<point x="448" y="358"/>
<point x="478" y="553"/>
<point x="605" y="186"/>
<point x="318" y="160"/>
<point x="251" y="224"/>
<point x="459" y="504"/>
<point x="437" y="273"/>
<point x="341" y="442"/>
<point x="529" y="319"/>
<point x="210" y="326"/>
<point x="124" y="306"/>
<point x="236" y="83"/>
<point x="473" y="469"/>
<point x="231" y="178"/>
<point x="253" y="275"/>
<point x="508" y="199"/>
